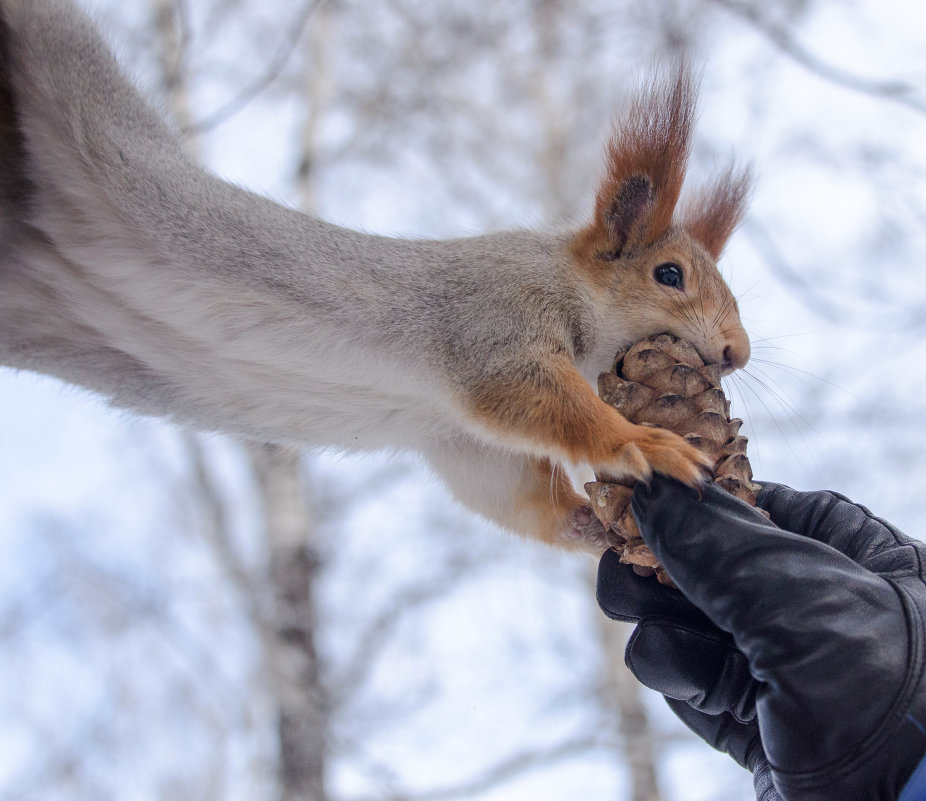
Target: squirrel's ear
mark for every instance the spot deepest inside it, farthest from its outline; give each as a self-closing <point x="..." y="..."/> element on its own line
<point x="627" y="220"/>
<point x="647" y="156"/>
<point x="712" y="216"/>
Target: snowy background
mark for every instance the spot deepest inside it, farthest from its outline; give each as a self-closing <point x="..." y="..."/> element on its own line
<point x="457" y="662"/>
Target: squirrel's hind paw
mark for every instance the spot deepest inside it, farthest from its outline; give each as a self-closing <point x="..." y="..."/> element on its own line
<point x="585" y="532"/>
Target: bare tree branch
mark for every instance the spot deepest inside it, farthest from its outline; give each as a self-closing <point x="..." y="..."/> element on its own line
<point x="891" y="316"/>
<point x="379" y="631"/>
<point x="893" y="90"/>
<point x="217" y="530"/>
<point x="782" y="269"/>
<point x="262" y="82"/>
<point x="171" y="23"/>
<point x="504" y="771"/>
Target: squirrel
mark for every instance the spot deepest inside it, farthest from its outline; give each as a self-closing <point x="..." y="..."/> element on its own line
<point x="129" y="270"/>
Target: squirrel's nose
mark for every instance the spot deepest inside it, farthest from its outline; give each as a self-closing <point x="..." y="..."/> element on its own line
<point x="735" y="353"/>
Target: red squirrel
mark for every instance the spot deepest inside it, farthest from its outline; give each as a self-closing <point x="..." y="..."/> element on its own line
<point x="130" y="270"/>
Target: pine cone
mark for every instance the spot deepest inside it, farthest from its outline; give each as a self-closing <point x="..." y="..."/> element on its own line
<point x="663" y="381"/>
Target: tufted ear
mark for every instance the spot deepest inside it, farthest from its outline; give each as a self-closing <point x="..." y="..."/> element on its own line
<point x="647" y="157"/>
<point x="713" y="215"/>
<point x="629" y="215"/>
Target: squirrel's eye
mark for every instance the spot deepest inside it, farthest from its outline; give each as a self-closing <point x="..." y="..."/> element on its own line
<point x="670" y="274"/>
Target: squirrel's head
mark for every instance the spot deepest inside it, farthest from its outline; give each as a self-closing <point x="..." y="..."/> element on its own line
<point x="655" y="270"/>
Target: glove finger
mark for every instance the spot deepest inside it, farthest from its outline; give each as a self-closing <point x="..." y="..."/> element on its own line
<point x="762" y="781"/>
<point x="751" y="578"/>
<point x="740" y="740"/>
<point x="850" y="528"/>
<point x="624" y="595"/>
<point x="701" y="667"/>
<point x="792" y="604"/>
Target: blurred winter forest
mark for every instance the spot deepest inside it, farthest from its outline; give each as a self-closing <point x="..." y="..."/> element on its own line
<point x="183" y="616"/>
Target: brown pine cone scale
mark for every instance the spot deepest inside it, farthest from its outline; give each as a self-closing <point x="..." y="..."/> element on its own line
<point x="663" y="381"/>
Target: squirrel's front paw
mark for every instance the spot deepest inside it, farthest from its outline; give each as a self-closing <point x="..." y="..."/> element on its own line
<point x="655" y="449"/>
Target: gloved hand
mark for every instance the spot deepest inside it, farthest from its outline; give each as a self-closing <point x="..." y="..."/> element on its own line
<point x="800" y="654"/>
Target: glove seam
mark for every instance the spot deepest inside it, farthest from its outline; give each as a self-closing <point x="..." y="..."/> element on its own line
<point x="608" y="612"/>
<point x="620" y="618"/>
<point x="753" y="751"/>
<point x="892" y="719"/>
<point x="719" y="640"/>
<point x="667" y="623"/>
<point x="723" y="639"/>
<point x="896" y="533"/>
<point x="901" y="540"/>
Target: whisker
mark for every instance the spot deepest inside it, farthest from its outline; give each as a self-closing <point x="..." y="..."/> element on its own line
<point x="785" y="336"/>
<point x="718" y="316"/>
<point x="682" y="313"/>
<point x="725" y="308"/>
<point x="788" y="407"/>
<point x="775" y="420"/>
<point x="703" y="315"/>
<point x="758" y="345"/>
<point x="750" y="288"/>
<point x="763" y="381"/>
<point x="797" y="371"/>
<point x="554" y="493"/>
<point x="723" y="333"/>
<point x="733" y="382"/>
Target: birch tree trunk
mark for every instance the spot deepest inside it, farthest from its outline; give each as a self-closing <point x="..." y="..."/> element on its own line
<point x="296" y="676"/>
<point x="289" y="624"/>
<point x="622" y="696"/>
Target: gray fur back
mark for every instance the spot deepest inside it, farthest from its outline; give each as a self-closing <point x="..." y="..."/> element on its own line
<point x="129" y="270"/>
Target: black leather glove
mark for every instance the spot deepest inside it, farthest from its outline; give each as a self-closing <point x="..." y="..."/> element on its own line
<point x="800" y="654"/>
